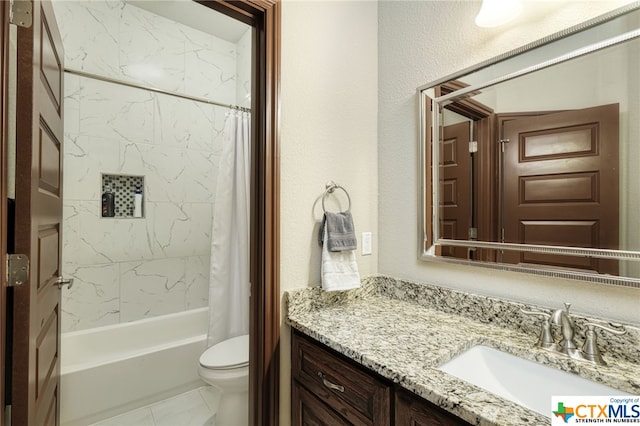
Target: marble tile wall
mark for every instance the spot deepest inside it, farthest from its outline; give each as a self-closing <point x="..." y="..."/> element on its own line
<point x="130" y="269"/>
<point x="244" y="71"/>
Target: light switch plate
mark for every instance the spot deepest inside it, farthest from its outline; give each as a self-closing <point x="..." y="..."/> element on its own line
<point x="366" y="243"/>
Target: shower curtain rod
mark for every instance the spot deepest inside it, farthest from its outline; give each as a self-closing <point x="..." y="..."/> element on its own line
<point x="153" y="89"/>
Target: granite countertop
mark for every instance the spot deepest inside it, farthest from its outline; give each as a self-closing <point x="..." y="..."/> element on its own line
<point x="392" y="331"/>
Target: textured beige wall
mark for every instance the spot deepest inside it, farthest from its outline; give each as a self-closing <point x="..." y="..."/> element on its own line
<point x="339" y="122"/>
<point x="329" y="132"/>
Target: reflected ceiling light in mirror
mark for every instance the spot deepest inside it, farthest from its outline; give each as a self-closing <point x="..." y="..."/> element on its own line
<point x="494" y="13"/>
<point x="145" y="72"/>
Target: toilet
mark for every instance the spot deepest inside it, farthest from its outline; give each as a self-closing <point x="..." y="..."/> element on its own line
<point x="225" y="366"/>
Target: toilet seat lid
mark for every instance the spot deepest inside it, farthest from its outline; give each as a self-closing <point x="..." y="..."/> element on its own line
<point x="230" y="353"/>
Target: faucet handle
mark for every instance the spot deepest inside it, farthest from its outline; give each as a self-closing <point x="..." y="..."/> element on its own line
<point x="617" y="329"/>
<point x="539" y="313"/>
<point x="546" y="339"/>
<point x="590" y="350"/>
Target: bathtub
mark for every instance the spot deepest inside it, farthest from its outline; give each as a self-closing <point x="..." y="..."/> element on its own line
<point x="109" y="370"/>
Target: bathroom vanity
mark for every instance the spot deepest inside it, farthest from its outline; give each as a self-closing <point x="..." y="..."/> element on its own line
<point x="373" y="356"/>
<point x="326" y="383"/>
<point x="331" y="389"/>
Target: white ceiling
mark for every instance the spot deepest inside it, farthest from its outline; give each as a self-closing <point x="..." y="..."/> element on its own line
<point x="196" y="16"/>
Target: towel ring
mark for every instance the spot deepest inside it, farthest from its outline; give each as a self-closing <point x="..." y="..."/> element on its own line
<point x="330" y="187"/>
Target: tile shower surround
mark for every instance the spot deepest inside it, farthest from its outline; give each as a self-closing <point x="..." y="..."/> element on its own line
<point x="127" y="269"/>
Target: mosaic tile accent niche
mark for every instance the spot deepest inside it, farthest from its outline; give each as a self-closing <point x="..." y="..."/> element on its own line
<point x="124" y="187"/>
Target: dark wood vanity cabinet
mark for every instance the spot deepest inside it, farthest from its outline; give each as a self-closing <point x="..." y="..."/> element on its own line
<point x="412" y="410"/>
<point x="329" y="389"/>
<point x="328" y="386"/>
<point x="311" y="411"/>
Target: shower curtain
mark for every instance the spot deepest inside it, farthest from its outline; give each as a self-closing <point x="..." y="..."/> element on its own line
<point x="229" y="280"/>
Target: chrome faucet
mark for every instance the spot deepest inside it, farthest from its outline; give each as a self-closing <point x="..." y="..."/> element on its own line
<point x="562" y="318"/>
<point x="567" y="346"/>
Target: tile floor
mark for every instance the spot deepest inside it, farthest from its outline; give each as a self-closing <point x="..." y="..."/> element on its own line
<point x="194" y="408"/>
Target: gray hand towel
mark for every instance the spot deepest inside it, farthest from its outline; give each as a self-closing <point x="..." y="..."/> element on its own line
<point x="341" y="235"/>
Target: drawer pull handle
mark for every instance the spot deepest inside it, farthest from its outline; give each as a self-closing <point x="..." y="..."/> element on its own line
<point x="328" y="384"/>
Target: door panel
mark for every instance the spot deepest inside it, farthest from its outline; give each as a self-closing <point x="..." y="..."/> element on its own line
<point x="456" y="187"/>
<point x="558" y="232"/>
<point x="566" y="142"/>
<point x="50" y="161"/>
<point x="36" y="328"/>
<point x="561" y="185"/>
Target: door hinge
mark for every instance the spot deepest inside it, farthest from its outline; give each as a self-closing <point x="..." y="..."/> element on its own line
<point x="473" y="233"/>
<point x="21" y="13"/>
<point x="503" y="142"/>
<point x="473" y="146"/>
<point x="17" y="269"/>
<point x="7" y="415"/>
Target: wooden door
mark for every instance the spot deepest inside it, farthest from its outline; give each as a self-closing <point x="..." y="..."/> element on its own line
<point x="485" y="186"/>
<point x="456" y="187"/>
<point x="561" y="185"/>
<point x="4" y="60"/>
<point x="36" y="323"/>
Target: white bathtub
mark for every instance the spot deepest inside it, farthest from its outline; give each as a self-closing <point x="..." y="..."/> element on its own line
<point x="109" y="370"/>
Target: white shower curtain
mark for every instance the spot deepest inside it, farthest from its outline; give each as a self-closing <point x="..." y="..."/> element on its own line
<point x="229" y="279"/>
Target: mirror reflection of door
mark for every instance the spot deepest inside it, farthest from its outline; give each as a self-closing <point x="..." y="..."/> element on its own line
<point x="561" y="185"/>
<point x="456" y="184"/>
<point x="463" y="162"/>
<point x="557" y="184"/>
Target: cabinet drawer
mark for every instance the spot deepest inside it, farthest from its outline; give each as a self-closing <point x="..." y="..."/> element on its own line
<point x="347" y="388"/>
<point x="310" y="411"/>
<point x="412" y="410"/>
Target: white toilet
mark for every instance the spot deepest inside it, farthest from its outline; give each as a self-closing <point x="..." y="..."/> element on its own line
<point x="225" y="366"/>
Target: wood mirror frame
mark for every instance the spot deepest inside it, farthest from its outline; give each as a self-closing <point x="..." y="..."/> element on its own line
<point x="264" y="368"/>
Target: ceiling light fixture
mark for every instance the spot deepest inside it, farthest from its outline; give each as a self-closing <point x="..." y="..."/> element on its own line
<point x="494" y="13"/>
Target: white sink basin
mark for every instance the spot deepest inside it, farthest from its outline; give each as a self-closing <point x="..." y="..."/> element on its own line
<point x="519" y="380"/>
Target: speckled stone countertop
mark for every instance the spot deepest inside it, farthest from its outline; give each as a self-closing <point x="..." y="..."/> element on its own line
<point x="404" y="331"/>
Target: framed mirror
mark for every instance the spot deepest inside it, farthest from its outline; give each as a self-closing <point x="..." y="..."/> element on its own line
<point x="529" y="161"/>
